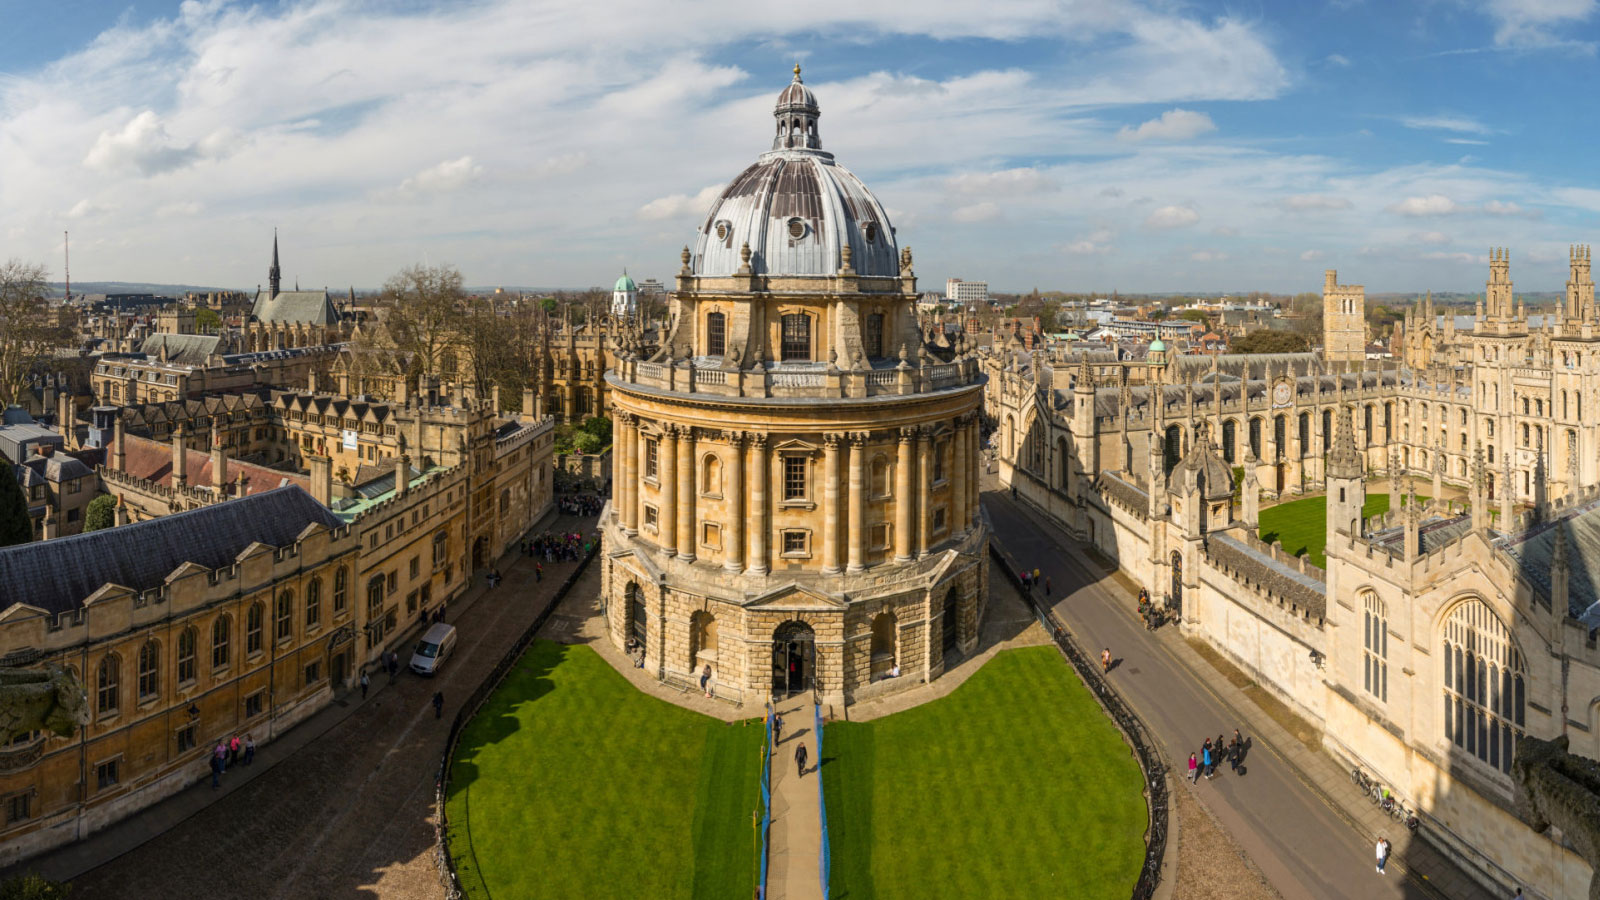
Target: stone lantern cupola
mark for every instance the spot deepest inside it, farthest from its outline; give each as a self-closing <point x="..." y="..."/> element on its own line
<point x="797" y="113"/>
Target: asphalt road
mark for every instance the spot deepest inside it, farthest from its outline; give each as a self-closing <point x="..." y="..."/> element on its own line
<point x="1302" y="846"/>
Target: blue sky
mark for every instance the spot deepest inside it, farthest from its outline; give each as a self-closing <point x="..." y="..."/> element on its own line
<point x="1155" y="146"/>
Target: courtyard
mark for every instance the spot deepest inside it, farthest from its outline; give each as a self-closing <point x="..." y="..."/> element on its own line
<point x="1302" y="525"/>
<point x="570" y="782"/>
<point x="1014" y="785"/>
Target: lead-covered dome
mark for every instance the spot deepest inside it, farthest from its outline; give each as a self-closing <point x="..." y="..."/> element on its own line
<point x="796" y="208"/>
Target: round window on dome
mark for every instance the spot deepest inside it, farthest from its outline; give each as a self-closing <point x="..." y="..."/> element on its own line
<point x="871" y="232"/>
<point x="722" y="231"/>
<point x="797" y="228"/>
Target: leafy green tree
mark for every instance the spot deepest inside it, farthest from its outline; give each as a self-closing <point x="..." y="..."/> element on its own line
<point x="1265" y="341"/>
<point x="15" y="526"/>
<point x="102" y="513"/>
<point x="33" y="887"/>
<point x="600" y="427"/>
<point x="207" y="321"/>
<point x="1195" y="315"/>
<point x="584" y="442"/>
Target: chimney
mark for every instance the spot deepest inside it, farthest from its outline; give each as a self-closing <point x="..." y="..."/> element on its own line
<point x="402" y="469"/>
<point x="528" y="404"/>
<point x="119" y="456"/>
<point x="51" y="529"/>
<point x="321" y="479"/>
<point x="120" y="515"/>
<point x="494" y="399"/>
<point x="219" y="461"/>
<point x="311" y="381"/>
<point x="180" y="459"/>
<point x="66" y="420"/>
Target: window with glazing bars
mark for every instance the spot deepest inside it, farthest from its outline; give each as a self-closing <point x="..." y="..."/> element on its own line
<point x="716" y="334"/>
<point x="873" y="335"/>
<point x="794" y="478"/>
<point x="796" y="344"/>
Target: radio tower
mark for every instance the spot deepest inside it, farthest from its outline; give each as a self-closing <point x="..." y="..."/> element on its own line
<point x="66" y="262"/>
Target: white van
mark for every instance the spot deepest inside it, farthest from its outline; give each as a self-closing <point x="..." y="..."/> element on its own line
<point x="433" y="649"/>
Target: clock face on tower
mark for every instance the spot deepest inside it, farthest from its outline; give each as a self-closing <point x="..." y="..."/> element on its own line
<point x="1281" y="394"/>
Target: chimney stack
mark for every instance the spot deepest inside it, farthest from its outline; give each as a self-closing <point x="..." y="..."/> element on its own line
<point x="219" y="461"/>
<point x="180" y="459"/>
<point x="321" y="479"/>
<point x="119" y="456"/>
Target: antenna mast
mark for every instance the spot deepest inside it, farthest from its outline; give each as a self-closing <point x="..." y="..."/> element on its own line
<point x="66" y="262"/>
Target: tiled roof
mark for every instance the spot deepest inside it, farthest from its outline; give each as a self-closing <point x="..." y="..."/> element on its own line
<point x="152" y="461"/>
<point x="57" y="575"/>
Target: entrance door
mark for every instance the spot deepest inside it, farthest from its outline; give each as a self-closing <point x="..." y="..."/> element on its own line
<point x="951" y="621"/>
<point x="480" y="550"/>
<point x="794" y="657"/>
<point x="1177" y="582"/>
<point x="340" y="664"/>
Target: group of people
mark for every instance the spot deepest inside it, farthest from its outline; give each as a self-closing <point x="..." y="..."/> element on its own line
<point x="581" y="505"/>
<point x="226" y="754"/>
<point x="1031" y="580"/>
<point x="554" y="547"/>
<point x="1150" y="614"/>
<point x="1205" y="762"/>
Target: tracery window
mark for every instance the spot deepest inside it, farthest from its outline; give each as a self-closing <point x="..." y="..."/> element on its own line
<point x="285" y="626"/>
<point x="149" y="670"/>
<point x="186" y="654"/>
<point x="1484" y="693"/>
<point x="254" y="622"/>
<point x="1375" y="644"/>
<point x="221" y="634"/>
<point x="107" y="681"/>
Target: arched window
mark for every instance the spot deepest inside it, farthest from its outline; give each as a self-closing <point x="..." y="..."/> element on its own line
<point x="1255" y="438"/>
<point x="796" y="343"/>
<point x="149" y="670"/>
<point x="1375" y="644"/>
<point x="186" y="653"/>
<point x="1524" y="434"/>
<point x="107" y="680"/>
<point x="441" y="541"/>
<point x="221" y="637"/>
<point x="1367" y="424"/>
<point x="1327" y="430"/>
<point x="1484" y="694"/>
<point x="254" y="622"/>
<point x="702" y="640"/>
<point x="638" y="624"/>
<point x="341" y="582"/>
<point x="1279" y="438"/>
<point x="716" y="334"/>
<point x="884" y="634"/>
<point x="1229" y="439"/>
<point x="285" y="616"/>
<point x="711" y="474"/>
<point x="314" y="603"/>
<point x="1173" y="449"/>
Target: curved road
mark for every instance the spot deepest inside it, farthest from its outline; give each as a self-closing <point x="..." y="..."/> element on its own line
<point x="1305" y="849"/>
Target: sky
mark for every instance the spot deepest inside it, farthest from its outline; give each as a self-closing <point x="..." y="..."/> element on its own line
<point x="1135" y="145"/>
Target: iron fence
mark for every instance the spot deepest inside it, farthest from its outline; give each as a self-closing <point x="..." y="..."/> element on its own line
<point x="464" y="713"/>
<point x="1144" y="746"/>
<point x="824" y="857"/>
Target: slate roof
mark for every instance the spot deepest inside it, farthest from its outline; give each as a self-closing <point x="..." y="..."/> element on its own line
<point x="183" y="349"/>
<point x="1286" y="581"/>
<point x="294" y="307"/>
<point x="57" y="575"/>
<point x="152" y="461"/>
<point x="1532" y="549"/>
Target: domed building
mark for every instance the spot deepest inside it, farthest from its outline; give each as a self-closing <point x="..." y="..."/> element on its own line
<point x="625" y="297"/>
<point x="796" y="492"/>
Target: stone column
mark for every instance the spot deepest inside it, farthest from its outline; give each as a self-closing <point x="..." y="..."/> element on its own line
<point x="958" y="479"/>
<point x="756" y="559"/>
<point x="830" y="504"/>
<point x="628" y="474"/>
<point x="639" y="449"/>
<point x="686" y="494"/>
<point x="667" y="465"/>
<point x="858" y="502"/>
<point x="974" y="485"/>
<point x="733" y="544"/>
<point x="924" y="491"/>
<point x="904" y="534"/>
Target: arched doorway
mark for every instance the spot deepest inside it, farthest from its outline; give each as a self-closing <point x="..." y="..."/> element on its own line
<point x="1176" y="597"/>
<point x="794" y="658"/>
<point x="885" y="646"/>
<point x="951" y="621"/>
<point x="480" y="552"/>
<point x="637" y="620"/>
<point x="702" y="640"/>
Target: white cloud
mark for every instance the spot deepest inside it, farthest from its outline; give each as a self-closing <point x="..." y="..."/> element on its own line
<point x="1086" y="248"/>
<point x="1005" y="183"/>
<point x="1311" y="255"/>
<point x="1468" y="141"/>
<point x="189" y="208"/>
<point x="1471" y="258"/>
<point x="1172" y="125"/>
<point x="675" y="206"/>
<point x="1207" y="256"/>
<point x="1431" y="237"/>
<point x="1338" y="59"/>
<point x="143" y="146"/>
<point x="566" y="164"/>
<point x="1225" y="231"/>
<point x="1532" y="23"/>
<point x="1458" y="124"/>
<point x="86" y="207"/>
<point x="449" y="175"/>
<point x="1313" y="202"/>
<point x="1172" y="217"/>
<point x="987" y="211"/>
<point x="1497" y="208"/>
<point x="1430" y="205"/>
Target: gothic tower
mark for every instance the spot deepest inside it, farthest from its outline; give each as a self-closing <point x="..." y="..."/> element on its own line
<point x="1344" y="327"/>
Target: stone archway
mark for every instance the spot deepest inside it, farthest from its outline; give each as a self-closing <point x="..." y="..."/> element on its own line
<point x="794" y="659"/>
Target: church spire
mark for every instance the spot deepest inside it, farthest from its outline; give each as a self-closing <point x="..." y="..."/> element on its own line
<point x="274" y="276"/>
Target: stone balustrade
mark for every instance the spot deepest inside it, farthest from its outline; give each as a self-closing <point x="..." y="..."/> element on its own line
<point x="821" y="380"/>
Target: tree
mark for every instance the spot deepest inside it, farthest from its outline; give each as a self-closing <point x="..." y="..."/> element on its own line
<point x="600" y="427"/>
<point x="15" y="526"/>
<point x="33" y="887"/>
<point x="1195" y="315"/>
<point x="424" y="308"/>
<point x="206" y="320"/>
<point x="102" y="513"/>
<point x="1158" y="315"/>
<point x="28" y="331"/>
<point x="1265" y="341"/>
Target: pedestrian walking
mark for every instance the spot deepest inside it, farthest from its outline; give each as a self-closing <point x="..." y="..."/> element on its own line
<point x="216" y="772"/>
<point x="705" y="680"/>
<point x="365" y="681"/>
<point x="1047" y="585"/>
<point x="234" y="745"/>
<point x="1024" y="580"/>
<point x="393" y="663"/>
<point x="220" y="754"/>
<point x="1105" y="660"/>
<point x="1035" y="576"/>
<point x="800" y="758"/>
<point x="1205" y="759"/>
<point x="249" y="749"/>
<point x="438" y="704"/>
<point x="1194" y="769"/>
<point x="538" y="572"/>
<point x="777" y="729"/>
<point x="1383" y="853"/>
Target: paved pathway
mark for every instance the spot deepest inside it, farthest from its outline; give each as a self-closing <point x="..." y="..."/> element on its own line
<point x="339" y="807"/>
<point x="795" y="841"/>
<point x="1294" y="812"/>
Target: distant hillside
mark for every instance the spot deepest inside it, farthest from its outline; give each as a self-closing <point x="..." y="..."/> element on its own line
<point x="134" y="287"/>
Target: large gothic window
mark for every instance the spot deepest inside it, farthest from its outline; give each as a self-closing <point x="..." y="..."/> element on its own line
<point x="1375" y="647"/>
<point x="1484" y="694"/>
<point x="149" y="670"/>
<point x="106" y="683"/>
<point x="1255" y="438"/>
<point x="796" y="345"/>
<point x="716" y="334"/>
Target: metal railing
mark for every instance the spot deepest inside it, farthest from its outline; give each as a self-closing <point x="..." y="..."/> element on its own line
<point x="766" y="806"/>
<point x="1144" y="746"/>
<point x="824" y="856"/>
<point x="446" y="863"/>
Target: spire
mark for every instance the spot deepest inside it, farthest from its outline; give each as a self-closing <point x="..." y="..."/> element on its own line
<point x="274" y="274"/>
<point x="1344" y="461"/>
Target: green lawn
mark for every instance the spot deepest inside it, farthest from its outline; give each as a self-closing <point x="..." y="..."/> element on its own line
<point x="1015" y="785"/>
<point x="571" y="783"/>
<point x="1302" y="525"/>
